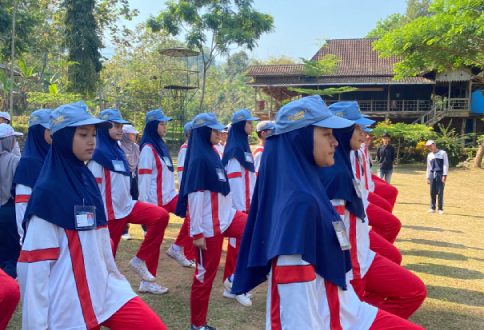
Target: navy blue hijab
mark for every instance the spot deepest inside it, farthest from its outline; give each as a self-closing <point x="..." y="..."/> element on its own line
<point x="338" y="179"/>
<point x="151" y="136"/>
<point x="203" y="169"/>
<point x="36" y="149"/>
<point x="108" y="150"/>
<point x="290" y="214"/>
<point x="65" y="181"/>
<point x="237" y="145"/>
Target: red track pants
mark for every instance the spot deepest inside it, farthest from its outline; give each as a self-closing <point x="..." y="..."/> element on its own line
<point x="384" y="248"/>
<point x="135" y="314"/>
<point x="383" y="223"/>
<point x="386" y="321"/>
<point x="380" y="201"/>
<point x="183" y="239"/>
<point x="9" y="298"/>
<point x="207" y="269"/>
<point x="393" y="288"/>
<point x="385" y="190"/>
<point x="155" y="219"/>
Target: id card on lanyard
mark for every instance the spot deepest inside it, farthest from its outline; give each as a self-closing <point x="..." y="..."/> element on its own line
<point x="85" y="217"/>
<point x="119" y="166"/>
<point x="342" y="235"/>
<point x="248" y="157"/>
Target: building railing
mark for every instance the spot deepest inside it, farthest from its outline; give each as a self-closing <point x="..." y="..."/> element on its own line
<point x="393" y="105"/>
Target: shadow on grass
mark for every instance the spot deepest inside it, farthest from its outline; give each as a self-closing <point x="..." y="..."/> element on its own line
<point x="466" y="215"/>
<point x="424" y="228"/>
<point x="454" y="295"/>
<point x="435" y="254"/>
<point x="447" y="271"/>
<point x="438" y="243"/>
<point x="439" y="319"/>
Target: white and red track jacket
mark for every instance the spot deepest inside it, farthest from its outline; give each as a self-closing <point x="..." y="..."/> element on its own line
<point x="257" y="157"/>
<point x="211" y="213"/>
<point x="298" y="298"/>
<point x="22" y="197"/>
<point x="242" y="183"/>
<point x="68" y="279"/>
<point x="366" y="163"/>
<point x="114" y="188"/>
<point x="182" y="153"/>
<point x="359" y="236"/>
<point x="156" y="183"/>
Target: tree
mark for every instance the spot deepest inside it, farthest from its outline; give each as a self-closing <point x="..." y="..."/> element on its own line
<point x="212" y="27"/>
<point x="83" y="43"/>
<point x="449" y="37"/>
<point x="480" y="152"/>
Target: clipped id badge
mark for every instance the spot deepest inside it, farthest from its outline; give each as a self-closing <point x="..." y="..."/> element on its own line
<point x="248" y="157"/>
<point x="118" y="166"/>
<point x="85" y="217"/>
<point x="357" y="186"/>
<point x="339" y="228"/>
<point x="167" y="161"/>
<point x="221" y="175"/>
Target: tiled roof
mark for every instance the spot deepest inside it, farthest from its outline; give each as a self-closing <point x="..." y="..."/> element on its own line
<point x="357" y="59"/>
<point x="286" y="81"/>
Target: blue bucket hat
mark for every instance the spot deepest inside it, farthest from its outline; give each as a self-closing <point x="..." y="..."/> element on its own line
<point x="40" y="117"/>
<point x="112" y="115"/>
<point x="264" y="126"/>
<point x="242" y="114"/>
<point x="351" y="111"/>
<point x="73" y="115"/>
<point x="309" y="110"/>
<point x="157" y="115"/>
<point x="187" y="128"/>
<point x="367" y="129"/>
<point x="207" y="119"/>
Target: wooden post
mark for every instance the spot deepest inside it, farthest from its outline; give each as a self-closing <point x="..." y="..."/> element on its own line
<point x="388" y="98"/>
<point x="448" y="96"/>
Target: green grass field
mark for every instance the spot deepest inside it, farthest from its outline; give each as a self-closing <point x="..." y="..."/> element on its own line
<point x="446" y="251"/>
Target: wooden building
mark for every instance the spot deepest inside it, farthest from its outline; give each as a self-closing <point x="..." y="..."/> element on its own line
<point x="429" y="99"/>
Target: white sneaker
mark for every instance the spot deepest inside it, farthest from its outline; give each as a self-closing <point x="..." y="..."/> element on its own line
<point x="126" y="236"/>
<point x="431" y="211"/>
<point x="243" y="299"/>
<point x="441" y="212"/>
<point x="180" y="257"/>
<point x="228" y="285"/>
<point x="139" y="267"/>
<point x="152" y="287"/>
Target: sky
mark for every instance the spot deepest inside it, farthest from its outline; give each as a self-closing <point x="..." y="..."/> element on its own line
<point x="300" y="26"/>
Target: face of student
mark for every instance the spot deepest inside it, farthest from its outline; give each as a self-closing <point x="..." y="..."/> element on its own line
<point x="249" y="127"/>
<point x="324" y="146"/>
<point x="84" y="142"/>
<point x="357" y="138"/>
<point x="432" y="147"/>
<point x="223" y="137"/>
<point x="215" y="137"/>
<point x="4" y="121"/>
<point x="132" y="137"/>
<point x="116" y="131"/>
<point x="161" y="129"/>
<point x="47" y="136"/>
<point x="386" y="140"/>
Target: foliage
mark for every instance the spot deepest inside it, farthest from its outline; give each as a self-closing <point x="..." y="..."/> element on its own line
<point x="449" y="37"/>
<point x="407" y="137"/>
<point x="212" y="27"/>
<point x="83" y="43"/>
<point x="331" y="91"/>
<point x="275" y="60"/>
<point x="324" y="66"/>
<point x="52" y="99"/>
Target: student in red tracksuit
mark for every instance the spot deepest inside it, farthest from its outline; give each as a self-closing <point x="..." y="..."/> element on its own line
<point x="9" y="298"/>
<point x="239" y="164"/>
<point x="156" y="175"/>
<point x="263" y="130"/>
<point x="66" y="271"/>
<point x="376" y="279"/>
<point x="111" y="170"/>
<point x="205" y="195"/>
<point x="291" y="237"/>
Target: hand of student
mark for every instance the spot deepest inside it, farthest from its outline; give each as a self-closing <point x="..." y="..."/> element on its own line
<point x="200" y="243"/>
<point x="428" y="181"/>
<point x="443" y="179"/>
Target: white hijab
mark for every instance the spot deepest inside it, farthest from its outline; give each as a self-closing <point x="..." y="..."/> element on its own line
<point x="8" y="164"/>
